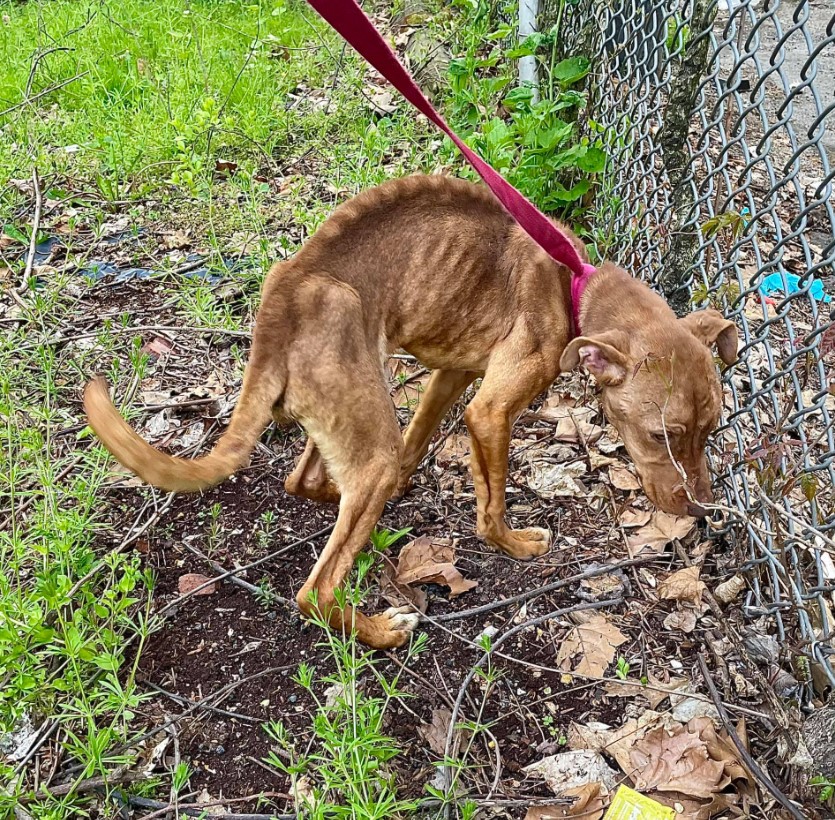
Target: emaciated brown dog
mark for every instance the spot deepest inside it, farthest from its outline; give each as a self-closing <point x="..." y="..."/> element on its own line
<point x="435" y="266"/>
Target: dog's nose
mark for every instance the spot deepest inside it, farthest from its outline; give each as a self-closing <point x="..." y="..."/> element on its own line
<point x="696" y="510"/>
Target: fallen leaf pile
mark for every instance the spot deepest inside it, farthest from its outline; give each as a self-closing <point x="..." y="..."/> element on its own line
<point x="689" y="767"/>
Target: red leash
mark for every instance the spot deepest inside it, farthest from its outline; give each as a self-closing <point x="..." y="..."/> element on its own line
<point x="349" y="20"/>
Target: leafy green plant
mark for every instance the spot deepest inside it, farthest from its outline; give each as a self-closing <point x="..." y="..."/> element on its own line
<point x="622" y="668"/>
<point x="826" y="788"/>
<point x="536" y="144"/>
<point x="382" y="539"/>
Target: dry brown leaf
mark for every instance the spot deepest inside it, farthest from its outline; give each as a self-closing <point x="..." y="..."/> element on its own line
<point x="661" y="529"/>
<point x="435" y="733"/>
<point x="630" y="517"/>
<point x="574" y="769"/>
<point x="430" y="561"/>
<point x="398" y="594"/>
<point x="729" y="590"/>
<point x="677" y="762"/>
<point x="617" y="743"/>
<point x="594" y="643"/>
<point x="684" y="585"/>
<point x="589" y="804"/>
<point x="176" y="240"/>
<point x="688" y="808"/>
<point x="683" y="619"/>
<point x="656" y="691"/>
<point x="455" y="451"/>
<point x="192" y="580"/>
<point x="623" y="479"/>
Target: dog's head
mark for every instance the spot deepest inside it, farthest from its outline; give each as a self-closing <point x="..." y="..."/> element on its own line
<point x="660" y="389"/>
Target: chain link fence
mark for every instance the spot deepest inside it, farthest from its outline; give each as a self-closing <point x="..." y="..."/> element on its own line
<point x="731" y="205"/>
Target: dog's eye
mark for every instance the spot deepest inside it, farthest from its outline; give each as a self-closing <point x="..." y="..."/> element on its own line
<point x="659" y="436"/>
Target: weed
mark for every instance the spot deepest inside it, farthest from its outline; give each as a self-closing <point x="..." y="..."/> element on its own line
<point x="346" y="771"/>
<point x="382" y="539"/>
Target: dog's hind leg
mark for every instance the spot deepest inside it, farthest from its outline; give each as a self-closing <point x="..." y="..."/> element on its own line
<point x="310" y="478"/>
<point x="442" y="391"/>
<point x="364" y="456"/>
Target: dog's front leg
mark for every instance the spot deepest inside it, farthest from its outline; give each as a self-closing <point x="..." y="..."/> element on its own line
<point x="504" y="393"/>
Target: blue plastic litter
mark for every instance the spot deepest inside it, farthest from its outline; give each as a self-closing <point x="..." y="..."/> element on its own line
<point x="779" y="282"/>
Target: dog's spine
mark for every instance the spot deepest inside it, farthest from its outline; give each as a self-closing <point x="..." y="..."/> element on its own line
<point x="261" y="390"/>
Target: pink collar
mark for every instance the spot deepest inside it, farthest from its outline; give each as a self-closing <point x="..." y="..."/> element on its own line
<point x="352" y="23"/>
<point x="579" y="283"/>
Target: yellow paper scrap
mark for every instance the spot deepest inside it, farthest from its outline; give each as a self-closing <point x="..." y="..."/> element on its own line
<point x="630" y="805"/>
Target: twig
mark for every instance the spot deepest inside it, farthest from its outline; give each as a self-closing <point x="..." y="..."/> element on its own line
<point x="183" y="701"/>
<point x="534" y="593"/>
<point x="199" y="809"/>
<point x="36" y="61"/>
<point x="118" y="776"/>
<point x="233" y="578"/>
<point x="36" y="227"/>
<point x="749" y="761"/>
<point x="243" y="334"/>
<point x="229" y="573"/>
<point x="43" y="93"/>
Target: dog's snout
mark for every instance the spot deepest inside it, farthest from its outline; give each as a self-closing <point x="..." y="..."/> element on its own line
<point x="696" y="510"/>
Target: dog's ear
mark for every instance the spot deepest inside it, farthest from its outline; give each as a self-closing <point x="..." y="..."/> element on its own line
<point x="603" y="355"/>
<point x="710" y="327"/>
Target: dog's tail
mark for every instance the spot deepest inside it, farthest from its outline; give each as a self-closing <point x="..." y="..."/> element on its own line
<point x="262" y="388"/>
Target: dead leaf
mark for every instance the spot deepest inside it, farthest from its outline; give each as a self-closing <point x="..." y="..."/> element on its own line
<point x="729" y="590"/>
<point x="684" y="585"/>
<point x="594" y="642"/>
<point x="661" y="530"/>
<point x="225" y="167"/>
<point x="192" y="580"/>
<point x="176" y="240"/>
<point x="399" y="594"/>
<point x="572" y="770"/>
<point x="430" y="561"/>
<point x="655" y="690"/>
<point x="682" y="619"/>
<point x="589" y="803"/>
<point x="557" y="480"/>
<point x="455" y="451"/>
<point x="676" y="762"/>
<point x="617" y="743"/>
<point x="435" y="733"/>
<point x="382" y="101"/>
<point x="157" y="347"/>
<point x="623" y="479"/>
<point x="630" y="517"/>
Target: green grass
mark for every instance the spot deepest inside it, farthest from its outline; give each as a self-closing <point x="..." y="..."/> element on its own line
<point x="143" y="99"/>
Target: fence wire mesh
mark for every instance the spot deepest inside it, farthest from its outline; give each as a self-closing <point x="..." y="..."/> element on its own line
<point x="719" y="124"/>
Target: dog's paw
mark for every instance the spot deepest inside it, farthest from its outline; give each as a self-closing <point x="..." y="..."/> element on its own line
<point x="391" y="628"/>
<point x="524" y="544"/>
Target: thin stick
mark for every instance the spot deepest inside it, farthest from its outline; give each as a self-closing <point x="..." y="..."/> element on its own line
<point x="229" y="573"/>
<point x="534" y="593"/>
<point x="183" y="701"/>
<point x="251" y="588"/>
<point x="116" y="777"/>
<point x="36" y="226"/>
<point x="199" y="809"/>
<point x="749" y="761"/>
<point x="43" y="93"/>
